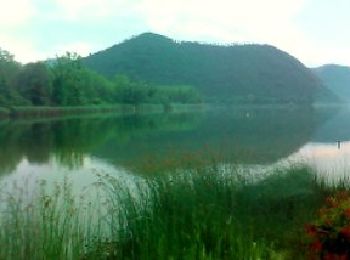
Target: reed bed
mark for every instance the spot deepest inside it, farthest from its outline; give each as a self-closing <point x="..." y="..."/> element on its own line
<point x="202" y="213"/>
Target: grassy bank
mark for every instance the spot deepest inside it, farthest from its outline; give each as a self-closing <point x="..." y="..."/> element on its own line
<point x="203" y="214"/>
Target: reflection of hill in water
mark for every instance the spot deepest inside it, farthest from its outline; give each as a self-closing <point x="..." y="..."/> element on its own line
<point x="247" y="135"/>
<point x="337" y="128"/>
<point x="69" y="140"/>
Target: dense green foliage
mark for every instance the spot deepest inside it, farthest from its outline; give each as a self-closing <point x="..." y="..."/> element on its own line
<point x="336" y="78"/>
<point x="9" y="70"/>
<point x="234" y="73"/>
<point x="65" y="82"/>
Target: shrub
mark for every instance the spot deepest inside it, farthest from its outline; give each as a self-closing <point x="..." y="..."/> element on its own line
<point x="329" y="235"/>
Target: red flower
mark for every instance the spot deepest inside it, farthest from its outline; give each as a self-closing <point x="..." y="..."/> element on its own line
<point x="316" y="246"/>
<point x="347" y="213"/>
<point x="311" y="230"/>
<point x="335" y="257"/>
<point x="345" y="231"/>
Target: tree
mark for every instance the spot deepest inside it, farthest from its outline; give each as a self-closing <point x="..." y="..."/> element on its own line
<point x="35" y="83"/>
<point x="9" y="70"/>
<point x="65" y="80"/>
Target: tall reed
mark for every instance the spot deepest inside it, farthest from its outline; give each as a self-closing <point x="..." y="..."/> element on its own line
<point x="207" y="212"/>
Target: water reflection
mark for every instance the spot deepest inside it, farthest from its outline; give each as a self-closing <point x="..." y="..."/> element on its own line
<point x="330" y="161"/>
<point x="70" y="141"/>
<point x="249" y="136"/>
<point x="336" y="128"/>
<point x="25" y="183"/>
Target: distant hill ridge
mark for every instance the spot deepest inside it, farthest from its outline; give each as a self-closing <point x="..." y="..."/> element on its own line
<point x="233" y="73"/>
<point x="336" y="78"/>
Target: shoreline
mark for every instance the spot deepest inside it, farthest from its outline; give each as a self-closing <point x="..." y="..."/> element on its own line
<point x="28" y="112"/>
<point x="53" y="112"/>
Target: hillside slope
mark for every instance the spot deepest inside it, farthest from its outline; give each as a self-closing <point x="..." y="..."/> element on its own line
<point x="336" y="78"/>
<point x="235" y="73"/>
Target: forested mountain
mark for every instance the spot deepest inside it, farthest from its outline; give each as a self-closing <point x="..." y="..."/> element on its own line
<point x="336" y="78"/>
<point x="235" y="73"/>
<point x="152" y="68"/>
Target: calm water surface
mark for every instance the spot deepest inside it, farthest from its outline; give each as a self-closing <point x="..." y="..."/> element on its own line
<point x="259" y="138"/>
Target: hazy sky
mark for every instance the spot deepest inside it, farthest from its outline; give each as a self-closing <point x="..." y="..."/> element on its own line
<point x="315" y="31"/>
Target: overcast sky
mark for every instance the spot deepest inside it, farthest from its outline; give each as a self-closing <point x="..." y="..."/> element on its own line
<point x="315" y="31"/>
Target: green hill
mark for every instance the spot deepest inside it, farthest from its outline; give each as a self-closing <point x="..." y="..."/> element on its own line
<point x="235" y="73"/>
<point x="336" y="78"/>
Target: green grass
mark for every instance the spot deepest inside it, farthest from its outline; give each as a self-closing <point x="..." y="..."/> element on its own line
<point x="183" y="217"/>
<point x="204" y="213"/>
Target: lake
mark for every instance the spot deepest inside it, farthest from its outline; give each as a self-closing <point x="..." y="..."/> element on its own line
<point x="138" y="144"/>
<point x="114" y="181"/>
